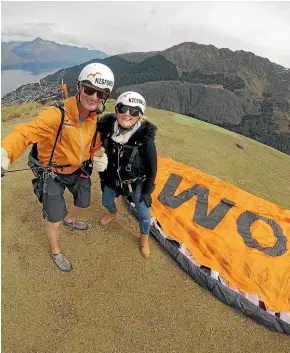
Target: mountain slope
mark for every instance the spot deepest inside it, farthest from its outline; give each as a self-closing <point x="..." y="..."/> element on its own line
<point x="195" y="100"/>
<point x="138" y="56"/>
<point x="235" y="89"/>
<point x="152" y="69"/>
<point x="41" y="53"/>
<point x="8" y="57"/>
<point x="258" y="74"/>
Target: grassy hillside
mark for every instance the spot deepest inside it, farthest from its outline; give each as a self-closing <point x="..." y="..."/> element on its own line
<point x="114" y="300"/>
<point x="257" y="168"/>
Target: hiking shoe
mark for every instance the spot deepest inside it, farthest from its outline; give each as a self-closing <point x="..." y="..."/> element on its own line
<point x="108" y="218"/>
<point x="61" y="262"/>
<point x="76" y="225"/>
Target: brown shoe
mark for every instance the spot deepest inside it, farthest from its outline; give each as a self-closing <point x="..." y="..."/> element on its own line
<point x="108" y="218"/>
<point x="144" y="242"/>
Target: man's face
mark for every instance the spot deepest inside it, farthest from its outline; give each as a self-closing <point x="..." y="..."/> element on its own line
<point x="91" y="96"/>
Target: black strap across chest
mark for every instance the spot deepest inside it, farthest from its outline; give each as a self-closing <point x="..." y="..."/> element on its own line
<point x="61" y="107"/>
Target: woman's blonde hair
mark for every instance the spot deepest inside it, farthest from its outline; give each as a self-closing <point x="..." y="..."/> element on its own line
<point x="143" y="118"/>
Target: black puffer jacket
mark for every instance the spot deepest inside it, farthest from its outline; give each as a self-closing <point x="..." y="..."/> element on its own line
<point x="143" y="165"/>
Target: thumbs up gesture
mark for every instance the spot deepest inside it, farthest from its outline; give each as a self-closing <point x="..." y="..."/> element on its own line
<point x="100" y="161"/>
<point x="5" y="161"/>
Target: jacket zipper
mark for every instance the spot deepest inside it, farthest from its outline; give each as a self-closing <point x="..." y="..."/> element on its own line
<point x="118" y="166"/>
<point x="82" y="143"/>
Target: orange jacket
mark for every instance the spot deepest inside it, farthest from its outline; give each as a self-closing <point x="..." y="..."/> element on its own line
<point x="74" y="146"/>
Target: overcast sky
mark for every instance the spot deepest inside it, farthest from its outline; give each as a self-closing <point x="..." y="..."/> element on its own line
<point x="118" y="27"/>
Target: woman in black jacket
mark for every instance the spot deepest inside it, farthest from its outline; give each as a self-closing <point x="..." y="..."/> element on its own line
<point x="128" y="139"/>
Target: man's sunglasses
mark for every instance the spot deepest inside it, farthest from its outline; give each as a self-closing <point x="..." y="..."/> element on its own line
<point x="90" y="91"/>
<point x="134" y="111"/>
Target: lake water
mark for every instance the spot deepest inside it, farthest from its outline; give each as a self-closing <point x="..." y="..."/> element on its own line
<point x="12" y="79"/>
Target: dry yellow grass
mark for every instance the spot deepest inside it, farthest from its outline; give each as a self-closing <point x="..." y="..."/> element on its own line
<point x="16" y="111"/>
<point x="114" y="301"/>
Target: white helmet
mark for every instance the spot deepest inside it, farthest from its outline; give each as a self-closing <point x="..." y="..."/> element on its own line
<point x="98" y="75"/>
<point x="132" y="99"/>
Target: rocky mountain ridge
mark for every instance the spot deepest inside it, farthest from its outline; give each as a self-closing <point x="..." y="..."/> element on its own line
<point x="40" y="54"/>
<point x="237" y="90"/>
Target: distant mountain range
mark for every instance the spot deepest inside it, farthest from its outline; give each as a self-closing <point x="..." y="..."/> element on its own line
<point x="237" y="90"/>
<point x="40" y="54"/>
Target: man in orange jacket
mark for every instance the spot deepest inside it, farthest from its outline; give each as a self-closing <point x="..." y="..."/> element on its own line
<point x="64" y="161"/>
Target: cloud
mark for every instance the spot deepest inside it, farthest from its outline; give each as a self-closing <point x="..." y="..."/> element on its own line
<point x="118" y="27"/>
<point x="28" y="30"/>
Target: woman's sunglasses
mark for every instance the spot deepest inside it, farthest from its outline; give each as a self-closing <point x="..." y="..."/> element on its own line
<point x="90" y="91"/>
<point x="134" y="111"/>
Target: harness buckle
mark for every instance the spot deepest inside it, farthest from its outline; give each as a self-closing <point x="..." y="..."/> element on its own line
<point x="128" y="168"/>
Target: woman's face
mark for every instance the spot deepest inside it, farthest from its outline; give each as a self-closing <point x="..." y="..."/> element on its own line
<point x="127" y="116"/>
<point x="91" y="96"/>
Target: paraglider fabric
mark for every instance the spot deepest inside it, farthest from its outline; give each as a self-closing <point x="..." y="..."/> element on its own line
<point x="228" y="240"/>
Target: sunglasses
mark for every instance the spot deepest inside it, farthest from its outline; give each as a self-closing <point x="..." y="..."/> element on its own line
<point x="134" y="111"/>
<point x="91" y="91"/>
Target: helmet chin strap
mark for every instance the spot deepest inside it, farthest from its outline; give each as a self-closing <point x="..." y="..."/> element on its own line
<point x="101" y="111"/>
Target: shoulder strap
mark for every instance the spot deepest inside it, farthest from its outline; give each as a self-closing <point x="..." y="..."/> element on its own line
<point x="129" y="165"/>
<point x="61" y="108"/>
<point x="132" y="157"/>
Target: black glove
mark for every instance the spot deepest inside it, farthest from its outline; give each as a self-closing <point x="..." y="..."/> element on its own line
<point x="147" y="199"/>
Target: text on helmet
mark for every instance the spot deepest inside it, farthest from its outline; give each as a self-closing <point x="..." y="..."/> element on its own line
<point x="102" y="81"/>
<point x="136" y="101"/>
